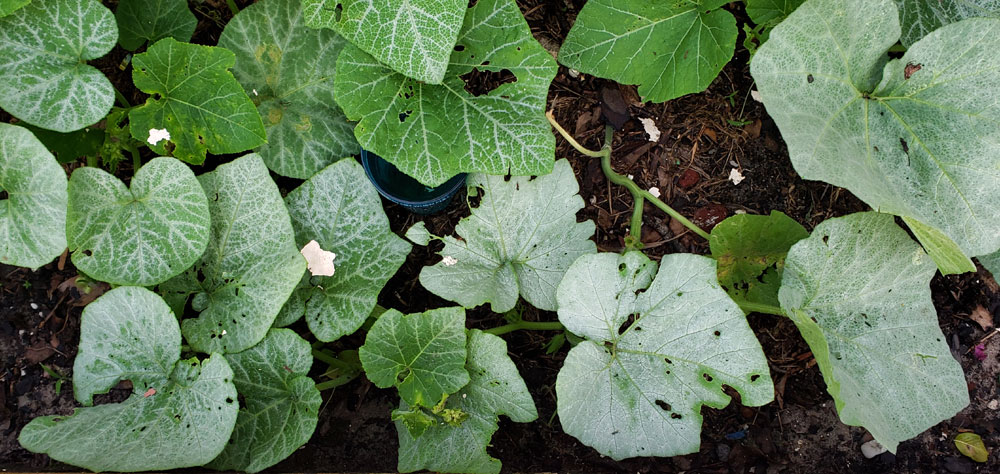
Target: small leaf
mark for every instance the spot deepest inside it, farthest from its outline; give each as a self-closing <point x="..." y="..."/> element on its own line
<point x="282" y="403"/>
<point x="495" y="389"/>
<point x="196" y="99"/>
<point x="288" y="70"/>
<point x="859" y="291"/>
<point x="144" y="20"/>
<point x="669" y="49"/>
<point x="418" y="234"/>
<point x="971" y="445"/>
<point x="10" y="6"/>
<point x="772" y="12"/>
<point x="920" y="17"/>
<point x="143" y="234"/>
<point x="33" y="216"/>
<point x="44" y="76"/>
<point x="422" y="354"/>
<point x="946" y="254"/>
<point x="340" y="209"/>
<point x="520" y="240"/>
<point x="413" y="38"/>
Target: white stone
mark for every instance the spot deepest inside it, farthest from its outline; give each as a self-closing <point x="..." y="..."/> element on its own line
<point x="651" y="130"/>
<point x="756" y="96"/>
<point x="872" y="449"/>
<point x="735" y="176"/>
<point x="994" y="404"/>
<point x="34" y="306"/>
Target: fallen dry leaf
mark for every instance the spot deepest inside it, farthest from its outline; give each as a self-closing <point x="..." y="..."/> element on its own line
<point x="982" y="317"/>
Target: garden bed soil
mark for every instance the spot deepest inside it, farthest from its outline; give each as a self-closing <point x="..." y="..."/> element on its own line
<point x="703" y="137"/>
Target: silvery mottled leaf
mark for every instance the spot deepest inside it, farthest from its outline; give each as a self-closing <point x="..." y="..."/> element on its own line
<point x="140" y="21"/>
<point x="44" y="76"/>
<point x="919" y="17"/>
<point x="992" y="263"/>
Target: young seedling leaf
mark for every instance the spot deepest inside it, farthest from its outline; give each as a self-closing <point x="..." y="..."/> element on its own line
<point x="971" y="445"/>
<point x="282" y="403"/>
<point x="10" y="6"/>
<point x="141" y="234"/>
<point x="422" y="354"/>
<point x="414" y="38"/>
<point x="669" y="49"/>
<point x="340" y="209"/>
<point x="750" y="251"/>
<point x="140" y="21"/>
<point x="195" y="99"/>
<point x="658" y="347"/>
<point x="520" y="240"/>
<point x="920" y="17"/>
<point x="764" y="12"/>
<point x="288" y="71"/>
<point x="433" y="132"/>
<point x="992" y="263"/>
<point x="186" y="423"/>
<point x="44" y="76"/>
<point x="129" y="333"/>
<point x="495" y="388"/>
<point x="945" y="253"/>
<point x="859" y="291"/>
<point x="915" y="136"/>
<point x="33" y="214"/>
<point x="250" y="267"/>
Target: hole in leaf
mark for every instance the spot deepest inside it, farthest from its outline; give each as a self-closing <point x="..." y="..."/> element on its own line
<point x="479" y="83"/>
<point x="87" y="252"/>
<point x="621" y="267"/>
<point x="826" y="240"/>
<point x="405" y="115"/>
<point x="663" y="405"/>
<point x="401" y="376"/>
<point x="754" y="377"/>
<point x="628" y="322"/>
<point x="708" y="378"/>
<point x="906" y="147"/>
<point x="667" y="360"/>
<point x="717" y="333"/>
<point x="229" y="399"/>
<point x="338" y="12"/>
<point x="810" y="78"/>
<point x="910" y="69"/>
<point x="3" y="194"/>
<point x="459" y="48"/>
<point x="676" y="416"/>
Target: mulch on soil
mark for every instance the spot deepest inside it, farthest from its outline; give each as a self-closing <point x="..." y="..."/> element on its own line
<point x="704" y="137"/>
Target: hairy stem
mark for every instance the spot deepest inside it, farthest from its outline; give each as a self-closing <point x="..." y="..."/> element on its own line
<point x="526" y="325"/>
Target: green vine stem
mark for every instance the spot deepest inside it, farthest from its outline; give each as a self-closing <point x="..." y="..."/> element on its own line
<point x="232" y="6"/>
<point x="525" y="325"/>
<point x="763" y="308"/>
<point x="639" y="194"/>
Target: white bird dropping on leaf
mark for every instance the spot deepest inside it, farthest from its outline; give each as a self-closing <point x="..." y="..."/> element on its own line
<point x="448" y="260"/>
<point x="651" y="130"/>
<point x="318" y="261"/>
<point x="157" y="134"/>
<point x="735" y="176"/>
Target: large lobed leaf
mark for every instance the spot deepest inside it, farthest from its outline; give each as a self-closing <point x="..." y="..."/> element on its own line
<point x="669" y="49"/>
<point x="288" y="70"/>
<point x="282" y="403"/>
<point x="859" y="291"/>
<point x="659" y="346"/>
<point x="140" y="21"/>
<point x="141" y="234"/>
<point x="413" y="37"/>
<point x="33" y="216"/>
<point x="340" y="209"/>
<point x="495" y="388"/>
<point x="433" y="132"/>
<point x="520" y="240"/>
<point x="919" y="17"/>
<point x="915" y="136"/>
<point x="44" y="76"/>
<point x="195" y="99"/>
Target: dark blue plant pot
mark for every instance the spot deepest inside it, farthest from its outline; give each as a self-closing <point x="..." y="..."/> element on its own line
<point x="401" y="189"/>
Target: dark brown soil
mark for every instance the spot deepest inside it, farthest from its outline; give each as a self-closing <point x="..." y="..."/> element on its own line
<point x="690" y="165"/>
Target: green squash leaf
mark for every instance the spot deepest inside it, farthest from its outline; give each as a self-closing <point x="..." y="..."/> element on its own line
<point x="138" y="235"/>
<point x="658" y="347"/>
<point x="854" y="120"/>
<point x="669" y="49"/>
<point x="33" y="215"/>
<point x="520" y="240"/>
<point x="67" y="147"/>
<point x="10" y="6"/>
<point x="946" y="254"/>
<point x="770" y="12"/>
<point x="44" y="76"/>
<point x="180" y="414"/>
<point x="414" y="38"/>
<point x="750" y="251"/>
<point x="140" y="21"/>
<point x="422" y="354"/>
<point x="250" y="267"/>
<point x="195" y="99"/>
<point x="129" y="333"/>
<point x="992" y="263"/>
<point x="433" y="132"/>
<point x="288" y="70"/>
<point x="859" y="291"/>
<point x="495" y="388"/>
<point x="919" y="17"/>
<point x="971" y="445"/>
<point x="282" y="403"/>
<point x="340" y="209"/>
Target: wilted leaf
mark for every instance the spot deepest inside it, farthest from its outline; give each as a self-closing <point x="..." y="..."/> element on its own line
<point x="971" y="445"/>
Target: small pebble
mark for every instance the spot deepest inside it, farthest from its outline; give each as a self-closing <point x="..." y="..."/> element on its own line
<point x="34" y="306"/>
<point x="994" y="404"/>
<point x="872" y="449"/>
<point x="722" y="451"/>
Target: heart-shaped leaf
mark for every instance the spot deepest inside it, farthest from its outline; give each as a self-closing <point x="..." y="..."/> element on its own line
<point x="433" y="132"/>
<point x="422" y="354"/>
<point x="520" y="240"/>
<point x="10" y="6"/>
<point x="656" y="351"/>
<point x="44" y="76"/>
<point x="33" y="215"/>
<point x="140" y="21"/>
<point x="859" y="291"/>
<point x="495" y="388"/>
<point x="914" y="136"/>
<point x="288" y="70"/>
<point x="282" y="403"/>
<point x="340" y="209"/>
<point x="919" y="17"/>
<point x="669" y="49"/>
<point x="250" y="267"/>
<point x="413" y="38"/>
<point x="195" y="99"/>
<point x="138" y="235"/>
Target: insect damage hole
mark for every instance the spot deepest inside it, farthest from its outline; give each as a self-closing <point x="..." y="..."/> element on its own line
<point x="479" y="83"/>
<point x="663" y="405"/>
<point x="628" y="323"/>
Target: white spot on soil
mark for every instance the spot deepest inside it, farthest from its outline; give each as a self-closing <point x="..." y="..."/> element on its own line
<point x="651" y="130"/>
<point x="735" y="176"/>
<point x="156" y="135"/>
